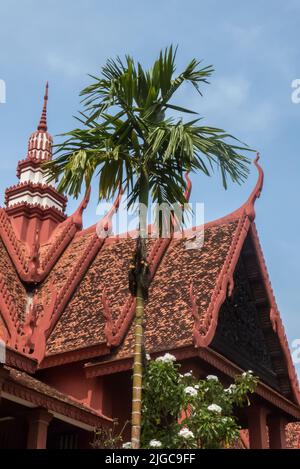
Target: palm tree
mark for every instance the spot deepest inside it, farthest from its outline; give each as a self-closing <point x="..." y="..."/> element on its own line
<point x="128" y="136"/>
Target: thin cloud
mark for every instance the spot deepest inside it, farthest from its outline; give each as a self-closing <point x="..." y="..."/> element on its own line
<point x="229" y="103"/>
<point x="69" y="68"/>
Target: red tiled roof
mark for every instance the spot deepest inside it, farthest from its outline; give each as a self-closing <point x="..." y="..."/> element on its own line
<point x="186" y="293"/>
<point x="168" y="318"/>
<point x="82" y="323"/>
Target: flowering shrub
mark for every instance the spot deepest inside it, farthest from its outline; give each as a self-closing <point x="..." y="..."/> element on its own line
<point x="180" y="411"/>
<point x="110" y="438"/>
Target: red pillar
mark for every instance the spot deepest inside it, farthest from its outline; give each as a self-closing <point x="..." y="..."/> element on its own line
<point x="257" y="424"/>
<point x="38" y="422"/>
<point x="277" y="432"/>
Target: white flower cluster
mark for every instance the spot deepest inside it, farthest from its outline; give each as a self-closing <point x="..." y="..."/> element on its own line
<point x="127" y="445"/>
<point x="212" y="378"/>
<point x="167" y="358"/>
<point x="191" y="391"/>
<point x="155" y="444"/>
<point x="186" y="433"/>
<point x="231" y="389"/>
<point x="215" y="408"/>
<point x="249" y="372"/>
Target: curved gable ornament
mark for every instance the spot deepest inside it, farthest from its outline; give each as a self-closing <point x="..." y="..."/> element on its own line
<point x="205" y="324"/>
<point x="250" y="204"/>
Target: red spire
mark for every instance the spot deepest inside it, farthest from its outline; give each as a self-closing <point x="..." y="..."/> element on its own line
<point x="43" y="122"/>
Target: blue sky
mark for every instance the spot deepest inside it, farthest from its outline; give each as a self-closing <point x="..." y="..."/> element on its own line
<point x="255" y="50"/>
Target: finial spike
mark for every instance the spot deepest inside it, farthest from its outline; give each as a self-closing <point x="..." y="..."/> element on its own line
<point x="43" y="122"/>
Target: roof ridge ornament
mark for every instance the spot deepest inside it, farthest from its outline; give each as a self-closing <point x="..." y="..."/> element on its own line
<point x="188" y="189"/>
<point x="43" y="121"/>
<point x="255" y="194"/>
<point x="104" y="226"/>
<point x="77" y="215"/>
<point x="247" y="208"/>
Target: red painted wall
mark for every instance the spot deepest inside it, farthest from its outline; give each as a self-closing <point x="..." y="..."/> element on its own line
<point x="71" y="380"/>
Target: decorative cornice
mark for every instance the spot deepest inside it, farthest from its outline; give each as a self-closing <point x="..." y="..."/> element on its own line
<point x="52" y="404"/>
<point x="108" y="367"/>
<point x="27" y="163"/>
<point x="35" y="210"/>
<point x="225" y="366"/>
<point x="111" y="366"/>
<point x="18" y="360"/>
<point x="35" y="188"/>
<point x="77" y="355"/>
<point x="263" y="390"/>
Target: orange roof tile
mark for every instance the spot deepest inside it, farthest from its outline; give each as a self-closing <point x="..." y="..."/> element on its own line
<point x="187" y="290"/>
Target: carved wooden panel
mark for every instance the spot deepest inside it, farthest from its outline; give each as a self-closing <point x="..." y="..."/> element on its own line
<point x="239" y="335"/>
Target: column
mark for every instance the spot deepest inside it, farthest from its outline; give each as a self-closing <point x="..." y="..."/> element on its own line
<point x="38" y="422"/>
<point x="257" y="425"/>
<point x="4" y="374"/>
<point x="277" y="437"/>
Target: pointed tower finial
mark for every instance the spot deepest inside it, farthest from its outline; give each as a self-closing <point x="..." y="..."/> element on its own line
<point x="43" y="122"/>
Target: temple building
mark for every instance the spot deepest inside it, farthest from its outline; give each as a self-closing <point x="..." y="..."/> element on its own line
<point x="66" y="316"/>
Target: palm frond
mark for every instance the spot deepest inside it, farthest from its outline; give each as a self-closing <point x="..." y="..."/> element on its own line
<point x="125" y="136"/>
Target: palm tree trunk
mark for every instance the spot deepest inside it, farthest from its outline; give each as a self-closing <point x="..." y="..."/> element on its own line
<point x="141" y="272"/>
<point x="137" y="371"/>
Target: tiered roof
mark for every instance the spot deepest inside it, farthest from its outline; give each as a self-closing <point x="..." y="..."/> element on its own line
<point x="65" y="298"/>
